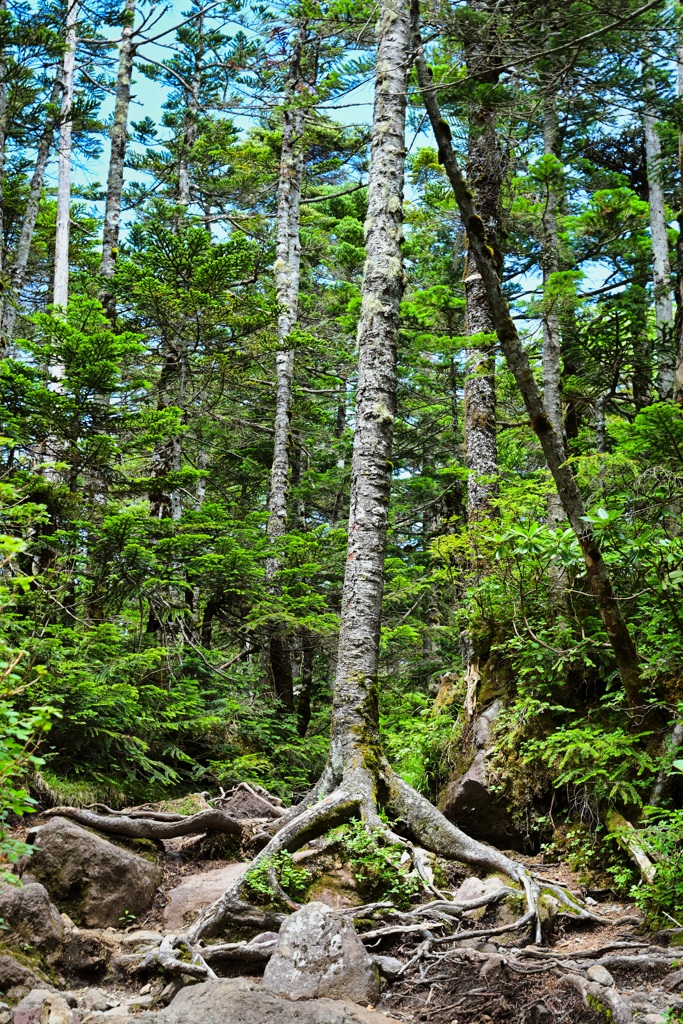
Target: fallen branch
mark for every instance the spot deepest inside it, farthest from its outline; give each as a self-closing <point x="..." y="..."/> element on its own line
<point x="151" y="828"/>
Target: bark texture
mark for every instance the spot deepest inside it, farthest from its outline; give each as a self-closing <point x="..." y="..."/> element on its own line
<point x="117" y="159"/>
<point x="483" y="249"/>
<point x="287" y="277"/>
<point x="659" y="231"/>
<point x="61" y="268"/>
<point x="485" y="171"/>
<point x="550" y="257"/>
<point x="17" y="273"/>
<point x="678" y="380"/>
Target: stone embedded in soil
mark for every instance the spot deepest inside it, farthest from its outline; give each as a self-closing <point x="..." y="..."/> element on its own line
<point x="600" y="975"/>
<point x="31" y="917"/>
<point x="194" y="892"/>
<point x="319" y="954"/>
<point x="95" y="882"/>
<point x="16" y="980"/>
<point x="240" y="1001"/>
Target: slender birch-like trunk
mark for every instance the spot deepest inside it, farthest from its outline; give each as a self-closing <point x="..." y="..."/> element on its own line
<point x="485" y="171"/>
<point x="3" y="136"/>
<point x="678" y="381"/>
<point x="17" y="272"/>
<point x="287" y="277"/>
<point x="117" y="159"/>
<point x="61" y="269"/>
<point x="483" y="249"/>
<point x="659" y="232"/>
<point x="550" y="264"/>
<point x="355" y="710"/>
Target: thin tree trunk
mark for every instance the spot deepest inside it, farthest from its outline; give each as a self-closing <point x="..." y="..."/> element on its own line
<point x="485" y="170"/>
<point x="17" y="273"/>
<point x="659" y="231"/>
<point x="355" y="709"/>
<point x="117" y="159"/>
<point x="3" y="136"/>
<point x="287" y="277"/>
<point x="625" y="653"/>
<point x="190" y="125"/>
<point x="550" y="259"/>
<point x="678" y="382"/>
<point x="61" y="270"/>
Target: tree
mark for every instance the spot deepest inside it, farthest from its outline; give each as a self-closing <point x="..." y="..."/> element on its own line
<point x="358" y="777"/>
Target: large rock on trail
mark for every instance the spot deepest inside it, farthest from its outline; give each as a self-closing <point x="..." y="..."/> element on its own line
<point x="43" y="1006"/>
<point x="30" y="918"/>
<point x="16" y="980"/>
<point x="194" y="892"/>
<point x="240" y="1001"/>
<point x="319" y="954"/>
<point x="92" y="880"/>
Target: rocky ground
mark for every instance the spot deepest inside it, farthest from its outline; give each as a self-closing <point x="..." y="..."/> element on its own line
<point x="78" y="934"/>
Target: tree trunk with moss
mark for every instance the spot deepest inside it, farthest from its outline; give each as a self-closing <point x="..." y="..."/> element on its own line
<point x="358" y="780"/>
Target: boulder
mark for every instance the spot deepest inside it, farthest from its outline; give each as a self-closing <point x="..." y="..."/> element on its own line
<point x="16" y="980"/>
<point x="41" y="1006"/>
<point x="240" y="1001"/>
<point x="319" y="954"/>
<point x="195" y="892"/>
<point x="467" y="800"/>
<point x="30" y="917"/>
<point x="89" y="878"/>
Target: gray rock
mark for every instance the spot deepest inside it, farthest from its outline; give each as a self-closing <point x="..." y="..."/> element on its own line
<point x="472" y="888"/>
<point x="673" y="981"/>
<point x="43" y="1005"/>
<point x="319" y="954"/>
<point x="96" y="999"/>
<point x="600" y="975"/>
<point x="389" y="967"/>
<point x="30" y="917"/>
<point x="14" y="975"/>
<point x="239" y="1001"/>
<point x="90" y="879"/>
<point x="194" y="892"/>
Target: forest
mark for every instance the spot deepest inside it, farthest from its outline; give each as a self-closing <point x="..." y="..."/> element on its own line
<point x="341" y="454"/>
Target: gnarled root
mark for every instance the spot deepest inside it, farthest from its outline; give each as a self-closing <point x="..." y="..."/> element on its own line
<point x="165" y="956"/>
<point x="357" y="793"/>
<point x="153" y="827"/>
<point x="602" y="998"/>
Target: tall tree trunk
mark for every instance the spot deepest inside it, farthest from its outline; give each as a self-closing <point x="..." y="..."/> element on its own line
<point x="355" y="709"/>
<point x="117" y="160"/>
<point x="17" y="274"/>
<point x="678" y="382"/>
<point x="190" y="121"/>
<point x="483" y="248"/>
<point x="550" y="259"/>
<point x="358" y="779"/>
<point x="287" y="276"/>
<point x="485" y="170"/>
<point x="659" y="231"/>
<point x="3" y="136"/>
<point x="61" y="270"/>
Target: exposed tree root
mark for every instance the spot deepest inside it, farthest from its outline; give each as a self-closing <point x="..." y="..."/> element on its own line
<point x="166" y="957"/>
<point x="358" y="794"/>
<point x="152" y="827"/>
<point x="600" y="997"/>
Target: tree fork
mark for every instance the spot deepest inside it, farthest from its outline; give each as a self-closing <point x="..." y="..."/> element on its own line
<point x="621" y="641"/>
